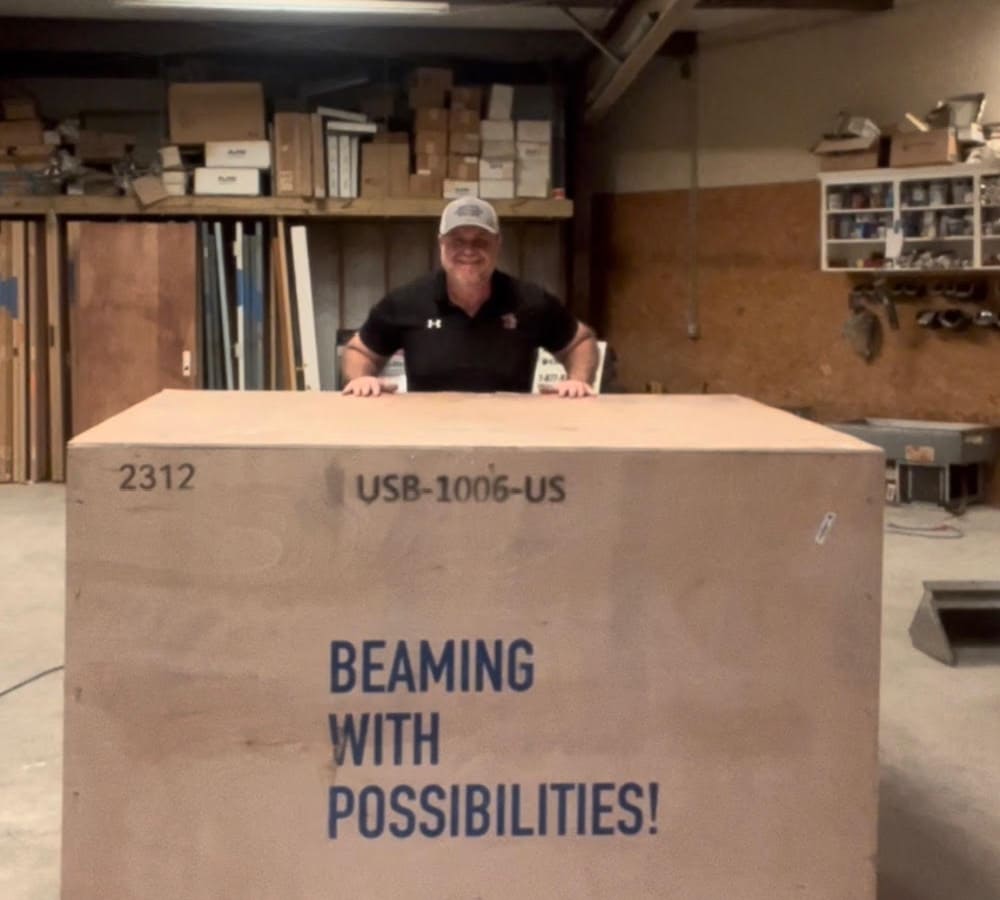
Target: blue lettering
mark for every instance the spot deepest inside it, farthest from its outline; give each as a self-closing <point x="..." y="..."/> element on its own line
<point x="371" y="823"/>
<point x="600" y="809"/>
<point x="477" y="810"/>
<point x="370" y="666"/>
<point x="624" y="792"/>
<point x="342" y="675"/>
<point x="410" y="820"/>
<point x="341" y="807"/>
<point x="438" y="792"/>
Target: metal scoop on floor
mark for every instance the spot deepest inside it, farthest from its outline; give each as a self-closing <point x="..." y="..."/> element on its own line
<point x="957" y="615"/>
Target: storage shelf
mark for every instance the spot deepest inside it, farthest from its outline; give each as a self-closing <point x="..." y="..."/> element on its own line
<point x="939" y="206"/>
<point x="886" y="271"/>
<point x="935" y="240"/>
<point x="856" y="212"/>
<point x="856" y="240"/>
<point x="267" y="207"/>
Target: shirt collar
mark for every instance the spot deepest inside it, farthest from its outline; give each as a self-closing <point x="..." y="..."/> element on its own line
<point x="499" y="302"/>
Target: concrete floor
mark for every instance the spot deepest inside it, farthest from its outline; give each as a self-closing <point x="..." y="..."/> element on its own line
<point x="940" y="737"/>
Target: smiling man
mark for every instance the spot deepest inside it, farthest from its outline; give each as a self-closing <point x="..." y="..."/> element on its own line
<point x="469" y="327"/>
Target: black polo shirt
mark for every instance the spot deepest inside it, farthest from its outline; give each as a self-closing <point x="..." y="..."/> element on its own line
<point x="448" y="350"/>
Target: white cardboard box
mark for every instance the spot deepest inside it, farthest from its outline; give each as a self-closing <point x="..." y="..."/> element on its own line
<point x="531" y="184"/>
<point x="501" y="101"/>
<point x="497" y="189"/>
<point x="539" y="130"/>
<point x="238" y="154"/>
<point x="496" y="130"/>
<point x="227" y="182"/>
<point x="454" y="188"/>
<point x="170" y="157"/>
<point x="528" y="151"/>
<point x="498" y="150"/>
<point x="494" y="169"/>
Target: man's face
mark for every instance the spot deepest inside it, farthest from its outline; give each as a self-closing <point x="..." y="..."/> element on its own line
<point x="469" y="254"/>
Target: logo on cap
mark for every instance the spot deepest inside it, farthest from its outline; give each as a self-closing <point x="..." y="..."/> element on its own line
<point x="469" y="210"/>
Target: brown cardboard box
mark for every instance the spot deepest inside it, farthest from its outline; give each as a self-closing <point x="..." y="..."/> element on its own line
<point x="427" y="97"/>
<point x="463" y="120"/>
<point x="431" y="164"/>
<point x="467" y="98"/>
<point x="19" y="108"/>
<point x="431" y="77"/>
<point x="425" y="185"/>
<point x="399" y="169"/>
<point x="33" y="153"/>
<point x="375" y="170"/>
<point x="26" y="133"/>
<point x="293" y="153"/>
<point x="466" y="143"/>
<point x="431" y="120"/>
<point x="846" y="162"/>
<point x="216" y="111"/>
<point x="378" y="102"/>
<point x="431" y="143"/>
<point x="698" y="666"/>
<point x="463" y="168"/>
<point x="391" y="137"/>
<point x="924" y="148"/>
<point x="103" y="147"/>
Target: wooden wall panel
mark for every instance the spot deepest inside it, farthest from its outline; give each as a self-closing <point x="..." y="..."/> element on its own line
<point x="56" y="349"/>
<point x="325" y="265"/>
<point x="542" y="257"/>
<point x="771" y="321"/>
<point x="510" y="250"/>
<point x="412" y="249"/>
<point x="132" y="316"/>
<point x="18" y="273"/>
<point x="38" y="356"/>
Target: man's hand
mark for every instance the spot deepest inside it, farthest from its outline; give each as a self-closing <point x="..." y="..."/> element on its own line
<point x="569" y="388"/>
<point x="367" y="386"/>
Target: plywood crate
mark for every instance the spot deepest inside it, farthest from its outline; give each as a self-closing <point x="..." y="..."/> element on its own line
<point x="621" y="648"/>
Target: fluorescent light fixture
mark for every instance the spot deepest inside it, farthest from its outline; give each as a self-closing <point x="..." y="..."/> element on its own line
<point x="316" y="7"/>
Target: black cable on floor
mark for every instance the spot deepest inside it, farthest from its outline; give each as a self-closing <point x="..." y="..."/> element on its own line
<point x="28" y="681"/>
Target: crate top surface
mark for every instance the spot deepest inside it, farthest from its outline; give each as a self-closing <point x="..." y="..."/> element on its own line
<point x="612" y="422"/>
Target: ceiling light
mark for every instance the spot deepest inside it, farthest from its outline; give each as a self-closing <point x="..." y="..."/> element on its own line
<point x="317" y="7"/>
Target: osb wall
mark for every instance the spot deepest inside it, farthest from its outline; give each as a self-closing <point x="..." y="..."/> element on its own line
<point x="770" y="320"/>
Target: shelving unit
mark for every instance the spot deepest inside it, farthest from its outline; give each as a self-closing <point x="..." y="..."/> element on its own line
<point x="944" y="207"/>
<point x="266" y="207"/>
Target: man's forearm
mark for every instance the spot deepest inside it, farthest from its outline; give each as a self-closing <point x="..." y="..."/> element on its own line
<point x="580" y="361"/>
<point x="358" y="363"/>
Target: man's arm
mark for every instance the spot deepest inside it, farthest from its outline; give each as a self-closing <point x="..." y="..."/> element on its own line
<point x="360" y="367"/>
<point x="579" y="358"/>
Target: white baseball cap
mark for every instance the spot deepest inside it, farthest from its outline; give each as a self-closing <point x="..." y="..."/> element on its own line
<point x="469" y="211"/>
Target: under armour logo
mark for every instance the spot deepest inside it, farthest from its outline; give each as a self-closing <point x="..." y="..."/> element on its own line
<point x="433" y="323"/>
<point x="509" y="321"/>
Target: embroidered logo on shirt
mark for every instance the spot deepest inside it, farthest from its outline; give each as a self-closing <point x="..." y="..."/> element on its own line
<point x="509" y="321"/>
<point x="433" y="323"/>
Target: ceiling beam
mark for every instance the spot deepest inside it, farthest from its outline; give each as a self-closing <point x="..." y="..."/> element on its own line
<point x="808" y="5"/>
<point x="637" y="40"/>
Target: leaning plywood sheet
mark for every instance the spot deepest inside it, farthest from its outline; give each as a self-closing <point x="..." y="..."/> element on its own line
<point x="6" y="394"/>
<point x="304" y="307"/>
<point x="18" y="305"/>
<point x="289" y="377"/>
<point x="447" y="646"/>
<point x="133" y="315"/>
<point x="38" y="357"/>
<point x="56" y="349"/>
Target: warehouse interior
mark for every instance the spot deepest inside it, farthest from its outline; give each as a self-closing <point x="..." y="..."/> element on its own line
<point x="792" y="201"/>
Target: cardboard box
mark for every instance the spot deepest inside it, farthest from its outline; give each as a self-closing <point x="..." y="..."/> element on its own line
<point x="470" y="98"/>
<point x="33" y="153"/>
<point x="463" y="168"/>
<point x="293" y="155"/>
<point x="427" y="97"/>
<point x="25" y="133"/>
<point x="463" y="120"/>
<point x="496" y="130"/>
<point x="391" y="137"/>
<point x="924" y="148"/>
<point x="19" y="108"/>
<point x="497" y="189"/>
<point x="493" y="169"/>
<point x="464" y="142"/>
<point x="426" y="185"/>
<point x="718" y="665"/>
<point x="399" y="168"/>
<point x="378" y="102"/>
<point x="216" y="111"/>
<point x="533" y="184"/>
<point x="227" y="182"/>
<point x="534" y="152"/>
<point x="175" y="183"/>
<point x="431" y="143"/>
<point x="238" y="154"/>
<point x="170" y="158"/>
<point x="454" y="188"/>
<point x="534" y="130"/>
<point x="500" y="103"/>
<point x="375" y="170"/>
<point x="431" y="164"/>
<point x="847" y="162"/>
<point x="498" y="150"/>
<point x="431" y="120"/>
<point x="430" y="76"/>
<point x="103" y="147"/>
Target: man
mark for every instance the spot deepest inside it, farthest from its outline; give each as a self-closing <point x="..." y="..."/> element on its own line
<point x="469" y="327"/>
